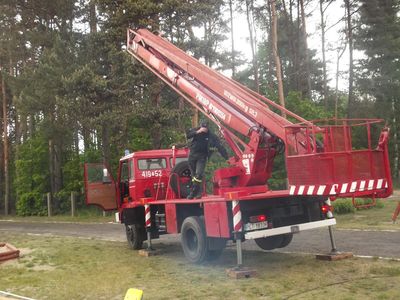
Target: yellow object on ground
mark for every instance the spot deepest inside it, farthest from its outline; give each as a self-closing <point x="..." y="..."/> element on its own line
<point x="134" y="294"/>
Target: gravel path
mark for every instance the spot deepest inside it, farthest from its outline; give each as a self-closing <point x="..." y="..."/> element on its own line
<point x="384" y="244"/>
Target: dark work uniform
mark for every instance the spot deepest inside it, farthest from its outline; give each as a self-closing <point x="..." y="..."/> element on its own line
<point x="199" y="153"/>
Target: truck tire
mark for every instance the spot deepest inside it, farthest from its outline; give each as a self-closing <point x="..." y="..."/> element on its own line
<point x="194" y="240"/>
<point x="287" y="238"/>
<point x="270" y="242"/>
<point x="134" y="235"/>
<point x="180" y="183"/>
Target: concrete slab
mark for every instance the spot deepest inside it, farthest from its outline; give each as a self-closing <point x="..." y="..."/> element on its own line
<point x="242" y="272"/>
<point x="334" y="256"/>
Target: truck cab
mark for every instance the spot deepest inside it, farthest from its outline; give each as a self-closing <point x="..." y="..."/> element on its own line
<point x="141" y="175"/>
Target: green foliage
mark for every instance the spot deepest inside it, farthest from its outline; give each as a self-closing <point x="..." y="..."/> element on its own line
<point x="31" y="204"/>
<point x="343" y="206"/>
<point x="32" y="176"/>
<point x="72" y="175"/>
<point x="278" y="178"/>
<point x="367" y="201"/>
<point x="306" y="108"/>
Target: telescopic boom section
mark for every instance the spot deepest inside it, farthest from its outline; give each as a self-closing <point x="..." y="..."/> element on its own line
<point x="224" y="101"/>
<point x="234" y="105"/>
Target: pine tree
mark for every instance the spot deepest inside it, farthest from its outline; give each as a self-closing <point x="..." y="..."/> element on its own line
<point x="378" y="35"/>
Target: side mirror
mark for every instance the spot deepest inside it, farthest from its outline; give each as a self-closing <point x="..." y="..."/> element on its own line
<point x="106" y="177"/>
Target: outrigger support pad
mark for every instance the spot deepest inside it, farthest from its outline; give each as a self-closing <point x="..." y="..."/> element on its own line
<point x="334" y="254"/>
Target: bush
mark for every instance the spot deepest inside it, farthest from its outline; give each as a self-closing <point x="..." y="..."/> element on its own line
<point x="31" y="204"/>
<point x="362" y="201"/>
<point x="343" y="206"/>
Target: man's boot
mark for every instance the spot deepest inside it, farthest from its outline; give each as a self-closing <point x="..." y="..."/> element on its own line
<point x="195" y="191"/>
<point x="192" y="192"/>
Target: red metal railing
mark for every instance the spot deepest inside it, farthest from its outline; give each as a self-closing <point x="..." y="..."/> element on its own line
<point x="330" y="159"/>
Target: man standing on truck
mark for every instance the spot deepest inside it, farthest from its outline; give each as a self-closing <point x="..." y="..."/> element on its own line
<point x="203" y="140"/>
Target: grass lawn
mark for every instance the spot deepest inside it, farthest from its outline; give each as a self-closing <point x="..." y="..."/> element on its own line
<point x="86" y="215"/>
<point x="70" y="268"/>
<point x="372" y="219"/>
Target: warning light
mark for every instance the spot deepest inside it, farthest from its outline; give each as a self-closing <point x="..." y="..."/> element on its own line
<point x="259" y="218"/>
<point x="325" y="209"/>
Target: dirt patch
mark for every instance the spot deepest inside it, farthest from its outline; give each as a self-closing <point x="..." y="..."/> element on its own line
<point x="15" y="262"/>
<point x="26" y="260"/>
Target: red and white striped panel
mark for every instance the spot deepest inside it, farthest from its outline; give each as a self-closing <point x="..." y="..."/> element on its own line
<point x="147" y="215"/>
<point x="237" y="216"/>
<point x="339" y="188"/>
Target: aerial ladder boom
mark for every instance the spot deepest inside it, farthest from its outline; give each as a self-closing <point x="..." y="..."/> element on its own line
<point x="256" y="133"/>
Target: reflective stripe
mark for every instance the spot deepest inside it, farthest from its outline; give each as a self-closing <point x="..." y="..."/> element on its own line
<point x="321" y="190"/>
<point x="344" y="188"/>
<point x="237" y="216"/>
<point x="292" y="188"/>
<point x="196" y="180"/>
<point x="301" y="190"/>
<point x="147" y="215"/>
<point x="310" y="190"/>
<point x="379" y="185"/>
<point x="353" y="186"/>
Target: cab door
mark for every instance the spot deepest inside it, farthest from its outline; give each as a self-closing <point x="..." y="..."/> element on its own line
<point x="100" y="187"/>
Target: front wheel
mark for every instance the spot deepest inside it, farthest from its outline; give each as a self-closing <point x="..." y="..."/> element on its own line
<point x="134" y="235"/>
<point x="194" y="240"/>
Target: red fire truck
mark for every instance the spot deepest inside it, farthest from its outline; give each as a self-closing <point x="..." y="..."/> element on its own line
<point x="321" y="163"/>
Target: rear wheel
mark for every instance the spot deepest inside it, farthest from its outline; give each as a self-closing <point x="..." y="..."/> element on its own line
<point x="180" y="183"/>
<point x="273" y="242"/>
<point x="134" y="235"/>
<point x="287" y="238"/>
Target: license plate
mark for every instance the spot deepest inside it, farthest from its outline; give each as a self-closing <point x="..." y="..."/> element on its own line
<point x="255" y="226"/>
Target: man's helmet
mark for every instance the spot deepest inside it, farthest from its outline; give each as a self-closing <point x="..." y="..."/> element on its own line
<point x="204" y="123"/>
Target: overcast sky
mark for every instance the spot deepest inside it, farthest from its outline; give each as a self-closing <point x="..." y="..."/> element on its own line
<point x="334" y="13"/>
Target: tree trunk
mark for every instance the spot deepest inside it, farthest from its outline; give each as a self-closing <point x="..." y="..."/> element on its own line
<point x="58" y="146"/>
<point x="325" y="91"/>
<point x="31" y="125"/>
<point x="92" y="16"/>
<point x="340" y="52"/>
<point x="252" y="43"/>
<point x="76" y="141"/>
<point x="5" y="149"/>
<point x="351" y="65"/>
<point x="24" y="128"/>
<point x="156" y="129"/>
<point x="1" y="150"/>
<point x="105" y="136"/>
<point x="274" y="35"/>
<point x="87" y="142"/>
<point x="307" y="58"/>
<point x="51" y="169"/>
<point x="396" y="153"/>
<point x="271" y="58"/>
<point x="292" y="74"/>
<point x="233" y="62"/>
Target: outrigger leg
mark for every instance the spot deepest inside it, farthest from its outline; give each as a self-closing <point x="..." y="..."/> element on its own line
<point x="239" y="271"/>
<point x="334" y="254"/>
<point x="149" y="251"/>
